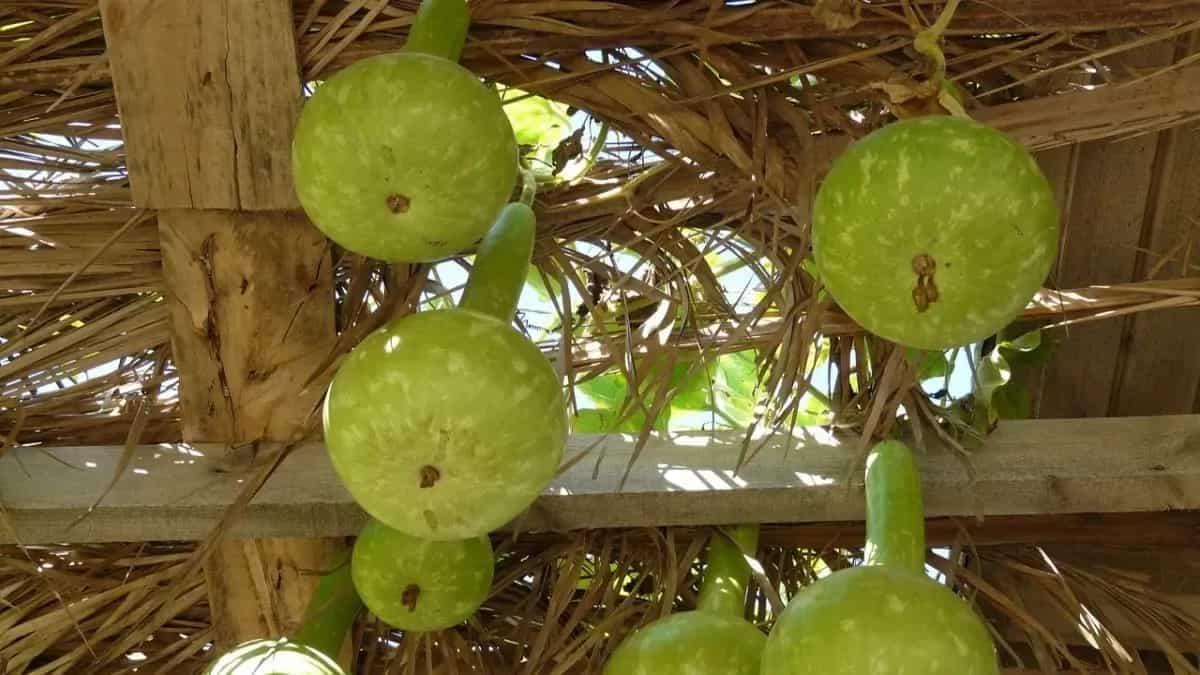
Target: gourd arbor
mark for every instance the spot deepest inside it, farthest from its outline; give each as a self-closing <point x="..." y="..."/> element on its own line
<point x="250" y="289"/>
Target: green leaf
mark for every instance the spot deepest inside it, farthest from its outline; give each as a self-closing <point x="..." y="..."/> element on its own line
<point x="537" y="122"/>
<point x="608" y="393"/>
<point x="1026" y="350"/>
<point x="535" y="282"/>
<point x="725" y="385"/>
<point x="934" y="365"/>
<point x="736" y="386"/>
<point x="1023" y="343"/>
<point x="1012" y="401"/>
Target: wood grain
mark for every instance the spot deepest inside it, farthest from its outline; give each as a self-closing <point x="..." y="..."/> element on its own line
<point x="251" y="300"/>
<point x="1105" y="113"/>
<point x="1161" y="373"/>
<point x="1087" y="466"/>
<point x="1098" y="245"/>
<point x="208" y="93"/>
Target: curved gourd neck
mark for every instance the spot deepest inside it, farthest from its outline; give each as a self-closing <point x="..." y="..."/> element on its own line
<point x="895" y="512"/>
<point x="723" y="590"/>
<point x="331" y="610"/>
<point x="498" y="274"/>
<point x="440" y="29"/>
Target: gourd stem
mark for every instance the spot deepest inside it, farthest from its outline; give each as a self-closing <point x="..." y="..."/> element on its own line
<point x="331" y="610"/>
<point x="498" y="275"/>
<point x="926" y="41"/>
<point x="440" y="29"/>
<point x="895" y="512"/>
<point x="528" y="186"/>
<point x="593" y="154"/>
<point x="723" y="590"/>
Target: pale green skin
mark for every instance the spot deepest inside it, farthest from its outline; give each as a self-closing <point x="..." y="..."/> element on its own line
<point x="409" y="124"/>
<point x="274" y="657"/>
<point x="956" y="190"/>
<point x="457" y="390"/>
<point x="454" y="577"/>
<point x="878" y="620"/>
<point x="690" y="643"/>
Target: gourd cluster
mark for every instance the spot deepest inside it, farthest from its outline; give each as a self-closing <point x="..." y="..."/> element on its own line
<point x="445" y="425"/>
<point x="932" y="232"/>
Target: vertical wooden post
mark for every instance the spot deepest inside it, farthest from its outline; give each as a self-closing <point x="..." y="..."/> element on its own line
<point x="209" y="93"/>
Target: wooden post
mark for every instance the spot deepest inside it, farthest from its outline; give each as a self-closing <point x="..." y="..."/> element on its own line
<point x="209" y="93"/>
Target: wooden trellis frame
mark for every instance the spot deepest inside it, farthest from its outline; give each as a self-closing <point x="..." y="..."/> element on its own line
<point x="206" y="131"/>
<point x="1068" y="467"/>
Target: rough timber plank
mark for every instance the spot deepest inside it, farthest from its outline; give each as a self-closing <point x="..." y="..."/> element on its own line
<point x="208" y="93"/>
<point x="1107" y="112"/>
<point x="1161" y="373"/>
<point x="1100" y="237"/>
<point x="251" y="307"/>
<point x="1091" y="466"/>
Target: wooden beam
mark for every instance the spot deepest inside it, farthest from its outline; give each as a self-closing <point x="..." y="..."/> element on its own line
<point x="1074" y="466"/>
<point x="1108" y="112"/>
<point x="209" y="93"/>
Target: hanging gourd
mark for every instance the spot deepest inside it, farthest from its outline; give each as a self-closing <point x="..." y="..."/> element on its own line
<point x="713" y="639"/>
<point x="886" y="617"/>
<point x="408" y="156"/>
<point x="314" y="647"/>
<point x="934" y="232"/>
<point x="447" y="424"/>
<point x="420" y="584"/>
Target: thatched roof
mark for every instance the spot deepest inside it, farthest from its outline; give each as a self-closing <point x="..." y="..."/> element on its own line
<point x="718" y="120"/>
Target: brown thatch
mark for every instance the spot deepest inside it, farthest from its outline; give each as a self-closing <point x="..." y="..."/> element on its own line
<point x="723" y="117"/>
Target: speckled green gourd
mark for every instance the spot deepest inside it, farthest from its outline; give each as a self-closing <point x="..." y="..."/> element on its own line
<point x="418" y="584"/>
<point x="944" y="198"/>
<point x="448" y="424"/>
<point x="404" y="157"/>
<point x="713" y="639"/>
<point x="274" y="657"/>
<point x="886" y="617"/>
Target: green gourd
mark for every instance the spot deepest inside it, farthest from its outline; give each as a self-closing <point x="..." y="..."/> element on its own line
<point x="886" y="617"/>
<point x="934" y="232"/>
<point x="713" y="639"/>
<point x="406" y="156"/>
<point x="314" y="647"/>
<point x="447" y="424"/>
<point x="419" y="584"/>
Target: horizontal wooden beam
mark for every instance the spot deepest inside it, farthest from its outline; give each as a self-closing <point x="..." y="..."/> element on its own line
<point x="174" y="491"/>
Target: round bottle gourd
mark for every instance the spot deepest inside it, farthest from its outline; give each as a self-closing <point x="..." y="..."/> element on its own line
<point x="885" y="617"/>
<point x="934" y="232"/>
<point x="420" y="584"/>
<point x="713" y="639"/>
<point x="274" y="657"/>
<point x="448" y="424"/>
<point x="407" y="156"/>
